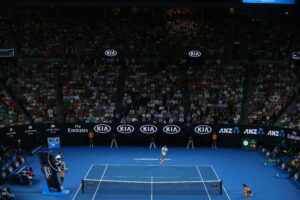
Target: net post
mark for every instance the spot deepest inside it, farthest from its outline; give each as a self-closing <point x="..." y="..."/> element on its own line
<point x="82" y="186"/>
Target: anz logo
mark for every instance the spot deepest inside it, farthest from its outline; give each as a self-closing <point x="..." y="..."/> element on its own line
<point x="111" y="52"/>
<point x="171" y="129"/>
<point x="276" y="133"/>
<point x="102" y="128"/>
<point x="234" y="130"/>
<point x="203" y="129"/>
<point x="195" y="54"/>
<point x="148" y="129"/>
<point x="125" y="129"/>
<point x="253" y="131"/>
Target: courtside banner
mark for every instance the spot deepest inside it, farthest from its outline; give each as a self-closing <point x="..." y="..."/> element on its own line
<point x="76" y="133"/>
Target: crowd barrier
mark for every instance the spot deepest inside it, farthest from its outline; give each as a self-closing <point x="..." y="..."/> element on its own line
<point x="140" y="134"/>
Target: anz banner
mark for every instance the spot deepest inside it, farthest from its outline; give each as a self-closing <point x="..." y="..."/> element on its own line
<point x="74" y="134"/>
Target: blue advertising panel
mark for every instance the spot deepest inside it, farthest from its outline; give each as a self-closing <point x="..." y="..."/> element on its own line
<point x="53" y="142"/>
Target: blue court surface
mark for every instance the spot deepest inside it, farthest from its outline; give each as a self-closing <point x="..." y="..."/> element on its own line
<point x="136" y="173"/>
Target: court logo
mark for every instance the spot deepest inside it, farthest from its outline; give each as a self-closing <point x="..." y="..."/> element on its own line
<point x="102" y="128"/>
<point x="203" y="129"/>
<point x="171" y="129"/>
<point x="111" y="52"/>
<point x="194" y="54"/>
<point x="125" y="129"/>
<point x="148" y="129"/>
<point x="47" y="171"/>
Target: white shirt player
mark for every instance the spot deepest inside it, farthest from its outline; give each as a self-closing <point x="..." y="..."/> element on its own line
<point x="164" y="150"/>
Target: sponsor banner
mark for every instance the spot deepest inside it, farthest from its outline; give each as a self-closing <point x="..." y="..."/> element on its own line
<point x="125" y="129"/>
<point x="77" y="128"/>
<point x="194" y="54"/>
<point x="102" y="128"/>
<point x="235" y="130"/>
<point x="254" y="131"/>
<point x="110" y="52"/>
<point x="30" y="130"/>
<point x="249" y="143"/>
<point x="11" y="133"/>
<point x="276" y="133"/>
<point x="53" y="142"/>
<point x="294" y="136"/>
<point x="52" y="128"/>
<point x="77" y="133"/>
<point x="148" y="129"/>
<point x="171" y="129"/>
<point x="203" y="129"/>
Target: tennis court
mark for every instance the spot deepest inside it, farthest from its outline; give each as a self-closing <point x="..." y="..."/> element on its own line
<point x="153" y="182"/>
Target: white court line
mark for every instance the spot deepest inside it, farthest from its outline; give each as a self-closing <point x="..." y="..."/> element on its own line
<point x="152" y="165"/>
<point x="151" y="197"/>
<point x="212" y="167"/>
<point x="99" y="182"/>
<point x="89" y="171"/>
<point x="203" y="182"/>
<point x="166" y="177"/>
<point x="226" y="192"/>
<point x="222" y="183"/>
<point x="81" y="183"/>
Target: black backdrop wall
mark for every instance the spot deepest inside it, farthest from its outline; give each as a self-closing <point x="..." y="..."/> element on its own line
<point x="140" y="134"/>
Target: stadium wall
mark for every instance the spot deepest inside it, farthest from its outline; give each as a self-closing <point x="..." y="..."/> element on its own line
<point x="140" y="134"/>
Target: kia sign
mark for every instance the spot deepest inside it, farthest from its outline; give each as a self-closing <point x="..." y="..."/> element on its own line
<point x="203" y="129"/>
<point x="194" y="54"/>
<point x="102" y="128"/>
<point x="171" y="129"/>
<point x="110" y="52"/>
<point x="148" y="129"/>
<point x="125" y="129"/>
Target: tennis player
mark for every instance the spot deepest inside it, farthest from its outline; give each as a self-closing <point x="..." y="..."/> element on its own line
<point x="164" y="150"/>
<point x="247" y="191"/>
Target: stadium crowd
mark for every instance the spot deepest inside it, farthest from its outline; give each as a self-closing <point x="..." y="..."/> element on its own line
<point x="216" y="93"/>
<point x="153" y="97"/>
<point x="276" y="85"/>
<point x="160" y="83"/>
<point x="89" y="93"/>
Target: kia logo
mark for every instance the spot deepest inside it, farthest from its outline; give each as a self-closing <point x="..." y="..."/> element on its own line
<point x="171" y="129"/>
<point x="203" y="129"/>
<point x="111" y="52"/>
<point x="125" y="129"/>
<point x="195" y="54"/>
<point x="148" y="129"/>
<point x="102" y="128"/>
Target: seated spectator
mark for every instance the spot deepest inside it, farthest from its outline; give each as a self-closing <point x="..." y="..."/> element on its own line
<point x="27" y="176"/>
<point x="5" y="193"/>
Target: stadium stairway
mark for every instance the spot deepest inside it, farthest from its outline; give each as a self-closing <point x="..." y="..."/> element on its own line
<point x="19" y="105"/>
<point x="120" y="89"/>
<point x="289" y="107"/>
<point x="246" y="96"/>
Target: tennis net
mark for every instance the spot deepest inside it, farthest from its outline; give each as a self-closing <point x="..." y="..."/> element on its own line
<point x="152" y="187"/>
